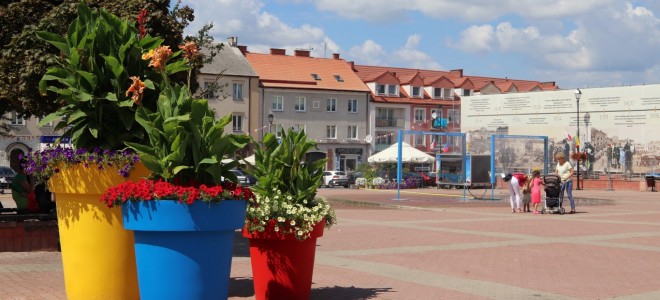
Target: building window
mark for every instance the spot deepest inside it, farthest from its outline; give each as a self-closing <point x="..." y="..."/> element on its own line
<point x="420" y="140"/>
<point x="447" y="93"/>
<point x="278" y="103"/>
<point x="331" y="105"/>
<point x="298" y="127"/>
<point x="352" y="132"/>
<point x="352" y="105"/>
<point x="338" y="78"/>
<point x="454" y="116"/>
<point x="300" y="104"/>
<point x="16" y="120"/>
<point x="416" y="92"/>
<point x="391" y="89"/>
<point x="437" y="93"/>
<point x="420" y="114"/>
<point x="380" y="89"/>
<point x="331" y="132"/>
<point x="237" y="121"/>
<point x="209" y="88"/>
<point x="237" y="91"/>
<point x="316" y="76"/>
<point x="467" y="92"/>
<point x="278" y="130"/>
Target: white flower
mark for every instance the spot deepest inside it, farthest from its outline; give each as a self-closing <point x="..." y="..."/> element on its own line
<point x="277" y="228"/>
<point x="293" y="223"/>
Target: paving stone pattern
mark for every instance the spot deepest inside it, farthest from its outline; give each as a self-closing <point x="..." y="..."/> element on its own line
<point x="435" y="244"/>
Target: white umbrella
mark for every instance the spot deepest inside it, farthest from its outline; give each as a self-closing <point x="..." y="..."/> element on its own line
<point x="409" y="154"/>
<point x="249" y="159"/>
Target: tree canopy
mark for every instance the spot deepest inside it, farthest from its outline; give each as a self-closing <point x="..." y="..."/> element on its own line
<point x="24" y="57"/>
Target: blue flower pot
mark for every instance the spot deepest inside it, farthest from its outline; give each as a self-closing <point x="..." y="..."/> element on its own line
<point x="183" y="251"/>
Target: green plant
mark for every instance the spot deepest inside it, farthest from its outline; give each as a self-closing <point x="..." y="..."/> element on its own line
<point x="368" y="171"/>
<point x="115" y="86"/>
<point x="286" y="187"/>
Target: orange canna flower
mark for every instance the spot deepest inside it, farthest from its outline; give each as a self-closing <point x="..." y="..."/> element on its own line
<point x="158" y="57"/>
<point x="137" y="89"/>
<point x="189" y="50"/>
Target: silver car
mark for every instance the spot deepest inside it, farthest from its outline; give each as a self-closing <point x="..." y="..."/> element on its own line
<point x="332" y="178"/>
<point x="6" y="177"/>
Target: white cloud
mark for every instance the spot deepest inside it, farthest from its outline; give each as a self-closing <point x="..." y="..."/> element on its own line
<point x="259" y="29"/>
<point x="475" y="39"/>
<point x="408" y="56"/>
<point x="473" y="10"/>
<point x="369" y="53"/>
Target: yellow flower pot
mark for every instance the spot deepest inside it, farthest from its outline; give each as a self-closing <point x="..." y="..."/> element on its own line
<point x="98" y="257"/>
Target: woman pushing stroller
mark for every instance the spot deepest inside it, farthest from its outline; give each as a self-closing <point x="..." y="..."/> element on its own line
<point x="565" y="172"/>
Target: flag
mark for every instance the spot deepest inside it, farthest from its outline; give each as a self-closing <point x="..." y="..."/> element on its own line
<point x="445" y="148"/>
<point x="433" y="144"/>
<point x="577" y="141"/>
<point x="568" y="136"/>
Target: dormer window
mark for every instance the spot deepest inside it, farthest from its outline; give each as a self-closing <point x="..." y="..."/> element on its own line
<point x="437" y="93"/>
<point x="416" y="91"/>
<point x="380" y="89"/>
<point x="467" y="92"/>
<point x="338" y="78"/>
<point x="391" y="90"/>
<point x="316" y="76"/>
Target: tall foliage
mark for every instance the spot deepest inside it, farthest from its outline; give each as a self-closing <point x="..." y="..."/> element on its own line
<point x="24" y="58"/>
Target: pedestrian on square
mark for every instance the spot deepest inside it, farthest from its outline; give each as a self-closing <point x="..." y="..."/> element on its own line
<point x="515" y="182"/>
<point x="527" y="196"/>
<point x="535" y="183"/>
<point x="565" y="172"/>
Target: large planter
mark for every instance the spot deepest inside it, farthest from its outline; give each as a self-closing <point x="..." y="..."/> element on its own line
<point x="282" y="266"/>
<point x="97" y="252"/>
<point x="183" y="251"/>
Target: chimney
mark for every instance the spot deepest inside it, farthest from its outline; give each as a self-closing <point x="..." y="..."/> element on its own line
<point x="242" y="48"/>
<point x="335" y="55"/>
<point x="301" y="53"/>
<point x="277" y="51"/>
<point x="352" y="64"/>
<point x="232" y="41"/>
<point x="457" y="73"/>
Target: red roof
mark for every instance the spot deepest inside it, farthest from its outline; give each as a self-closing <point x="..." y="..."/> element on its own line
<point x="286" y="71"/>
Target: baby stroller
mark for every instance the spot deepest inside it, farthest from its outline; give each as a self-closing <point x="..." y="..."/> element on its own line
<point x="553" y="197"/>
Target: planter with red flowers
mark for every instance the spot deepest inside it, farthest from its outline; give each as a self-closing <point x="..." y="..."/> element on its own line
<point x="285" y="217"/>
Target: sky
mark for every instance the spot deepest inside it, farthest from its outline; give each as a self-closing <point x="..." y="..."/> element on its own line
<point x="575" y="43"/>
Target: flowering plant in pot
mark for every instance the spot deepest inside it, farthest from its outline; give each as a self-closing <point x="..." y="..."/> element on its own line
<point x="286" y="217"/>
<point x="116" y="91"/>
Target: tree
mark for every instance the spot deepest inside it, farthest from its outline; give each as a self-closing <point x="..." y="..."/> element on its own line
<point x="24" y="58"/>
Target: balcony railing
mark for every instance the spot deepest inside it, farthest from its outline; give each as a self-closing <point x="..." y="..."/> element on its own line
<point x="381" y="147"/>
<point x="390" y="122"/>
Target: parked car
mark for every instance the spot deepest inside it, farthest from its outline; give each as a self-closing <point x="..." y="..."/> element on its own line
<point x="6" y="176"/>
<point x="353" y="176"/>
<point x="332" y="178"/>
<point x="244" y="178"/>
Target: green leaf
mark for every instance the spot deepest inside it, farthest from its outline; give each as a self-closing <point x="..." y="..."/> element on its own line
<point x="56" y="40"/>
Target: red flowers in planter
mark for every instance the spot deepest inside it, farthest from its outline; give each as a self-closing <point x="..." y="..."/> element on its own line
<point x="146" y="190"/>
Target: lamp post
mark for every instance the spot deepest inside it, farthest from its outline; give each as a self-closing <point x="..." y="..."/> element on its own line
<point x="578" y="94"/>
<point x="271" y="117"/>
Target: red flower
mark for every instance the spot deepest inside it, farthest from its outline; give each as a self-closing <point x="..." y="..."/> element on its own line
<point x="146" y="190"/>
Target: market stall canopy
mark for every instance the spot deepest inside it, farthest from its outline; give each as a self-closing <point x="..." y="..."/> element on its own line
<point x="409" y="154"/>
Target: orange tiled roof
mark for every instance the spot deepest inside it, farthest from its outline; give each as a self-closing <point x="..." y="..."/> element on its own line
<point x="286" y="71"/>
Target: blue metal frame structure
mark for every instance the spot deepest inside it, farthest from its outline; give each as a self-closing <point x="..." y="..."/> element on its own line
<point x="399" y="163"/>
<point x="493" y="137"/>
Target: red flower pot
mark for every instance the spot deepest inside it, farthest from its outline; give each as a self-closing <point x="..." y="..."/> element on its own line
<point x="282" y="266"/>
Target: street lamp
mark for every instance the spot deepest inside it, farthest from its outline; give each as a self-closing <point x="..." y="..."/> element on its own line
<point x="578" y="94"/>
<point x="271" y="117"/>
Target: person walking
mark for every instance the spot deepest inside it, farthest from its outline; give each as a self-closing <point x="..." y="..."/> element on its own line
<point x="565" y="172"/>
<point x="535" y="183"/>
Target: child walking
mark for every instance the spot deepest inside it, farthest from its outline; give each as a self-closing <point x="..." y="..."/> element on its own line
<point x="527" y="196"/>
<point x="536" y="183"/>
